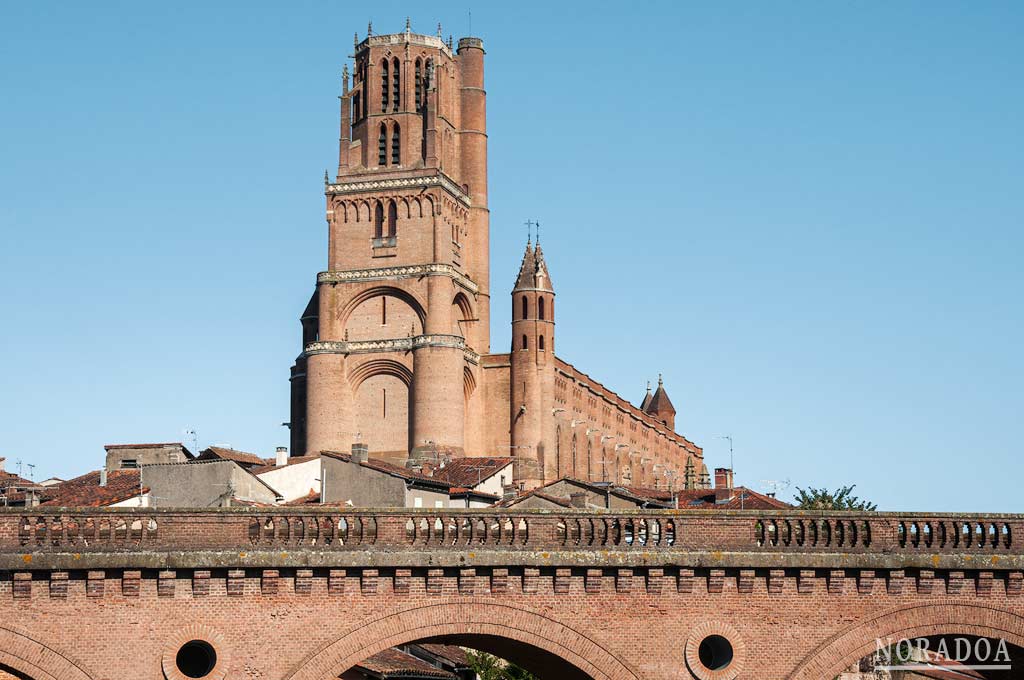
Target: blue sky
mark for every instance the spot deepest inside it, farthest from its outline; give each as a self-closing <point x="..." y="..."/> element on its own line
<point x="807" y="216"/>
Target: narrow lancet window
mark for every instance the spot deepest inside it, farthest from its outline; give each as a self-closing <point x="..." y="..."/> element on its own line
<point x="392" y="220"/>
<point x="419" y="86"/>
<point x="396" y="87"/>
<point x="396" y="146"/>
<point x="384" y="89"/>
<point x="378" y="221"/>
<point x="540" y="308"/>
<point x="382" y="146"/>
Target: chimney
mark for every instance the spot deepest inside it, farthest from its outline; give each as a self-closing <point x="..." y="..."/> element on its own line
<point x="723" y="485"/>
<point x="508" y="492"/>
<point x="578" y="499"/>
<point x="360" y="453"/>
<point x="281" y="456"/>
<point x="103" y="476"/>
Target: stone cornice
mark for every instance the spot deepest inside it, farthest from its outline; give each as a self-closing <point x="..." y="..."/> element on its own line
<point x="407" y="37"/>
<point x="413" y="271"/>
<point x="437" y="180"/>
<point x="391" y="345"/>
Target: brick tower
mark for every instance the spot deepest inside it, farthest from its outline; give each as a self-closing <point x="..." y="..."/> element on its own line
<point x="393" y="335"/>
<point x="532" y="369"/>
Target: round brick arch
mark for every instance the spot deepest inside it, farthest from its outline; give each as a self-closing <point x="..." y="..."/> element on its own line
<point x="463" y="617"/>
<point x="27" y="656"/>
<point x="858" y="640"/>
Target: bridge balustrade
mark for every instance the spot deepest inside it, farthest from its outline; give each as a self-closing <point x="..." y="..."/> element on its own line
<point x="114" y="529"/>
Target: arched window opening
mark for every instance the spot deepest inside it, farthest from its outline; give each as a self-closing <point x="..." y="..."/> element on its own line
<point x="396" y="87"/>
<point x="396" y="146"/>
<point x="558" y="449"/>
<point x="526" y="307"/>
<point x="540" y="309"/>
<point x="540" y="345"/>
<point x="382" y="146"/>
<point x="524" y="342"/>
<point x="419" y="86"/>
<point x="384" y="89"/>
<point x="378" y="221"/>
<point x="392" y="220"/>
<point x="574" y="455"/>
<point x="427" y="77"/>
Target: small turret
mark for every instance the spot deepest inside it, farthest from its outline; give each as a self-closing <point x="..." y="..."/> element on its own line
<point x="647" y="398"/>
<point x="660" y="406"/>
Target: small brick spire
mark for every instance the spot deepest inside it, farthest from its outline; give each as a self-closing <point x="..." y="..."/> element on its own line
<point x="438" y="29"/>
<point x="369" y="29"/>
<point x="408" y="25"/>
<point x="344" y="79"/>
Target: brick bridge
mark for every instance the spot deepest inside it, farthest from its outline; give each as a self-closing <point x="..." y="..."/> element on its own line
<point x="295" y="594"/>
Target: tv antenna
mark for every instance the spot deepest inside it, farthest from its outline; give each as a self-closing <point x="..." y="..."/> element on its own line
<point x="31" y="471"/>
<point x="774" y="486"/>
<point x="194" y="438"/>
<point x="729" y="438"/>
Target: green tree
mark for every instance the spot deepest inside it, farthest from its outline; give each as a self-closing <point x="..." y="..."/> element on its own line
<point x="823" y="499"/>
<point x="490" y="667"/>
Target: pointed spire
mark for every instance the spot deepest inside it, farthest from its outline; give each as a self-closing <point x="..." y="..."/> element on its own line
<point x="344" y="79"/>
<point x="408" y="25"/>
<point x="451" y="41"/>
<point x="369" y="29"/>
<point x="326" y="181"/>
<point x="647" y="397"/>
<point x="355" y="39"/>
<point x="438" y="29"/>
<point x="526" y="269"/>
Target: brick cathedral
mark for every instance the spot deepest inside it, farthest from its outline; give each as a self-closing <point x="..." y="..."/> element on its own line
<point x="396" y="348"/>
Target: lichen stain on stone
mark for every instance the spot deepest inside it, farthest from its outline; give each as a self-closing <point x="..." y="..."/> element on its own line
<point x="26" y="558"/>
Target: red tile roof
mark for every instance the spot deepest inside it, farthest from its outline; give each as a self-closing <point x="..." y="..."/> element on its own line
<point x="468" y="472"/>
<point x="454" y="655"/>
<point x="311" y="498"/>
<point x="86" y="492"/>
<point x="240" y="457"/>
<point x="10" y="479"/>
<point x="742" y="499"/>
<point x="392" y="663"/>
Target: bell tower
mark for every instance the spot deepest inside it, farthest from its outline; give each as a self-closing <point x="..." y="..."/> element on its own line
<point x="532" y="370"/>
<point x="402" y="311"/>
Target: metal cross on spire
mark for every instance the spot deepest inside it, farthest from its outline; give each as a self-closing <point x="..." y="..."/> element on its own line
<point x="530" y="224"/>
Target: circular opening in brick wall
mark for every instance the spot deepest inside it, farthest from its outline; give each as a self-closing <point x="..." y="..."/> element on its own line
<point x="715" y="652"/>
<point x="196" y="659"/>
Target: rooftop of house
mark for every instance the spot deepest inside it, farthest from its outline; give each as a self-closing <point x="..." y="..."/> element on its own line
<point x="292" y="460"/>
<point x="240" y="457"/>
<point x="85" y="491"/>
<point x="741" y="498"/>
<point x="161" y="445"/>
<point x="393" y="470"/>
<point x="450" y="654"/>
<point x="394" y="663"/>
<point x="468" y="472"/>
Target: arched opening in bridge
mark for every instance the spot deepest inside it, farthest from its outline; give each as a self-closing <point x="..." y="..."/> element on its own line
<point x="537" y="662"/>
<point x="941" y="656"/>
<point x="7" y="673"/>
